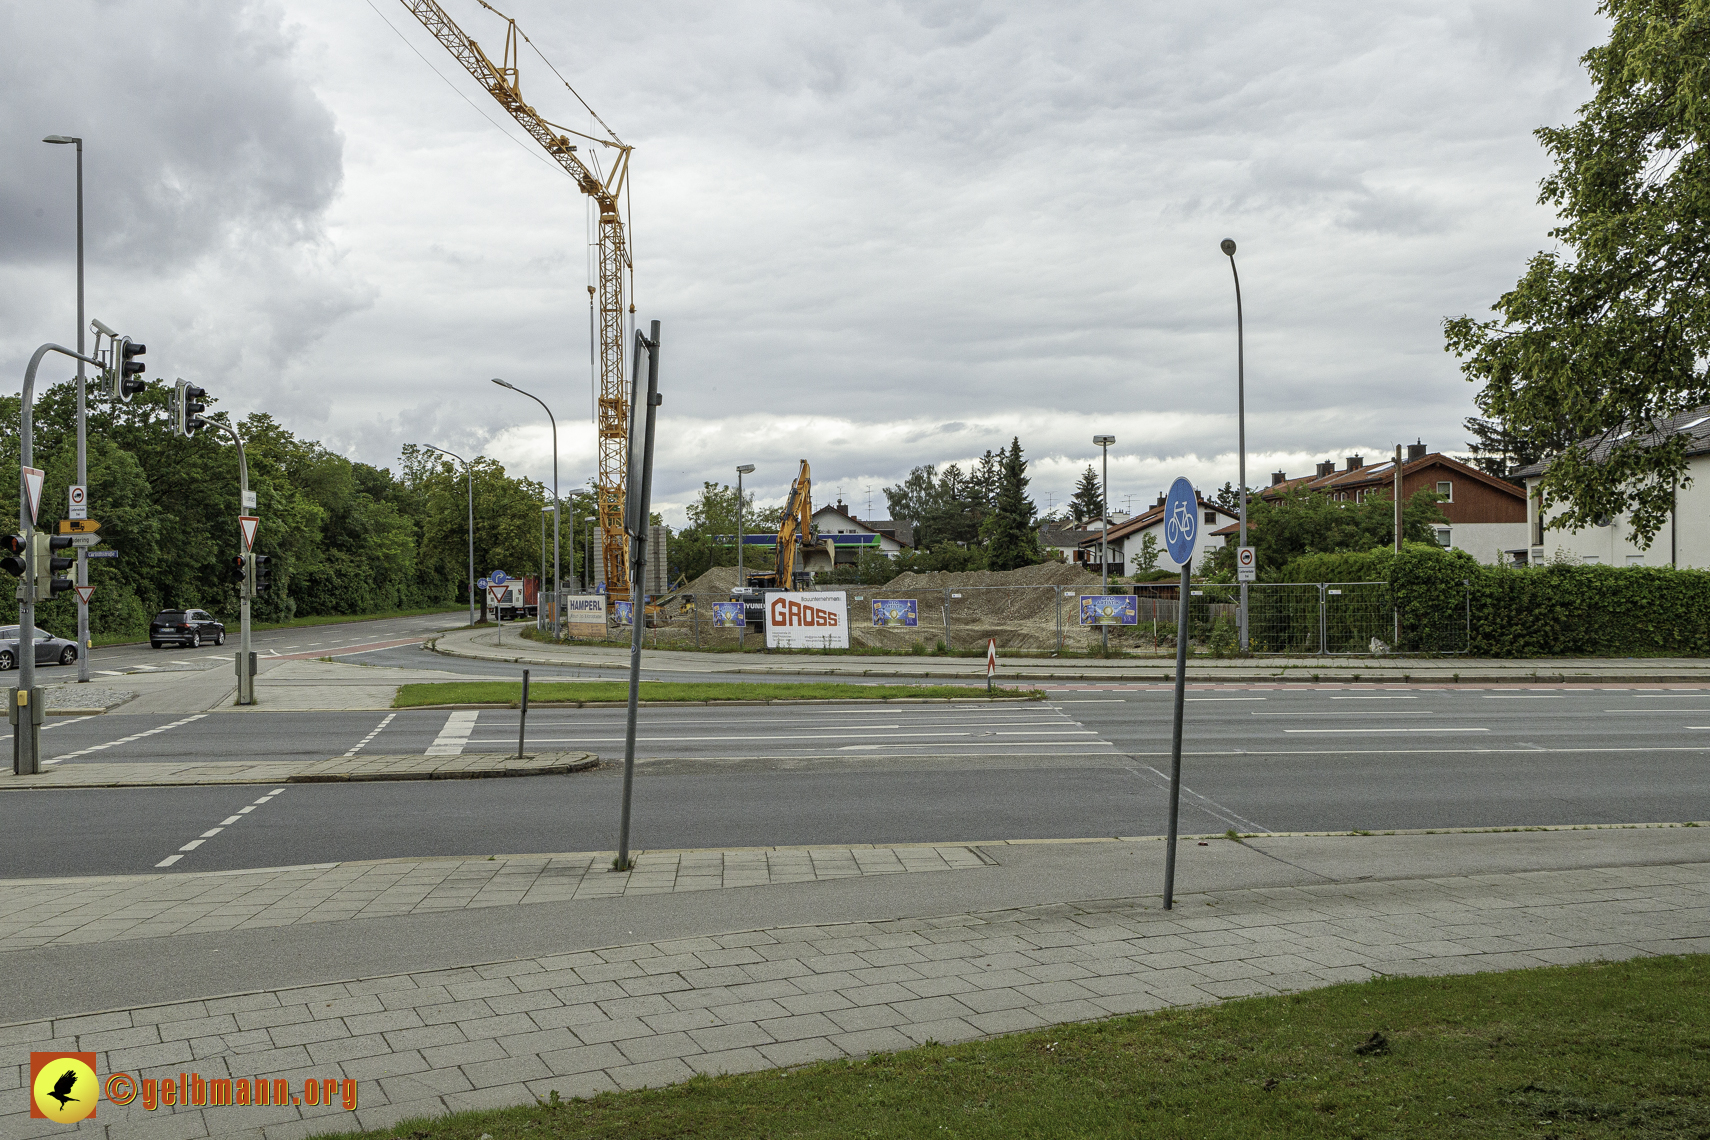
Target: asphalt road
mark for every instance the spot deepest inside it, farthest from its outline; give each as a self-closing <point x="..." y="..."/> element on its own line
<point x="1089" y="762"/>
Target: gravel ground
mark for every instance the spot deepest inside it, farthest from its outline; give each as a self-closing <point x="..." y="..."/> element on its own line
<point x="86" y="697"/>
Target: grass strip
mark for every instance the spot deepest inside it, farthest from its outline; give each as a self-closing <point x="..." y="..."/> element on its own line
<point x="1604" y="1050"/>
<point x="510" y="692"/>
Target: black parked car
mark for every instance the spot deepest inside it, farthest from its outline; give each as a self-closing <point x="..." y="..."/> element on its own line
<point x="185" y="627"/>
<point x="49" y="649"/>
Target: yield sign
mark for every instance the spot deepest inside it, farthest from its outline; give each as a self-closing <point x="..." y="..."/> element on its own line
<point x="991" y="656"/>
<point x="248" y="523"/>
<point x="33" y="490"/>
<point x="84" y="593"/>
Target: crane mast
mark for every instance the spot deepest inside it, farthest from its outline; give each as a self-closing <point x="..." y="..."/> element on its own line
<point x="608" y="294"/>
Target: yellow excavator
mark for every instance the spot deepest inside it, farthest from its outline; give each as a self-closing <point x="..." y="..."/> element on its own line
<point x="795" y="535"/>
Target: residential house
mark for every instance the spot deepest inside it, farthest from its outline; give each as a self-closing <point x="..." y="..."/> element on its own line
<point x="1125" y="540"/>
<point x="1683" y="541"/>
<point x="1064" y="539"/>
<point x="1486" y="515"/>
<point x="841" y="537"/>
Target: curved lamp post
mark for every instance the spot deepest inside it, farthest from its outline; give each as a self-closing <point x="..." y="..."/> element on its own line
<point x="1240" y="416"/>
<point x="470" y="472"/>
<point x="82" y="420"/>
<point x="554" y="422"/>
<point x="1104" y="442"/>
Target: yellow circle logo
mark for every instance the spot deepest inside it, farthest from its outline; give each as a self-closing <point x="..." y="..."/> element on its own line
<point x="66" y="1090"/>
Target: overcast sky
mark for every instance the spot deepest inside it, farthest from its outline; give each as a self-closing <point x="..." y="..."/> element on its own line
<point x="877" y="235"/>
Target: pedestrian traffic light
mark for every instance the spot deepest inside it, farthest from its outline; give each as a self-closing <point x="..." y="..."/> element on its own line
<point x="130" y="369"/>
<point x="13" y="547"/>
<point x="263" y="576"/>
<point x="187" y="407"/>
<point x="46" y="565"/>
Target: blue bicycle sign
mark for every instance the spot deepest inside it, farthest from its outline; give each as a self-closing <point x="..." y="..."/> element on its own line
<point x="1181" y="522"/>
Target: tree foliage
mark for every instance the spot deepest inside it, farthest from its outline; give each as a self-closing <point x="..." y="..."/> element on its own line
<point x="1306" y="522"/>
<point x="1088" y="499"/>
<point x="1011" y="532"/>
<point x="1607" y="338"/>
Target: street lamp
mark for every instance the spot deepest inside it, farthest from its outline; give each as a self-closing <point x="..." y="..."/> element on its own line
<point x="554" y="422"/>
<point x="82" y="422"/>
<point x="1104" y="442"/>
<point x="741" y="583"/>
<point x="1240" y="420"/>
<point x="470" y="472"/>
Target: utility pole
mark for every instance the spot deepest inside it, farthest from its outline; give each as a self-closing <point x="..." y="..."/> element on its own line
<point x="469" y="473"/>
<point x="1240" y="417"/>
<point x="1104" y="442"/>
<point x="82" y="425"/>
<point x="741" y="582"/>
<point x="246" y="550"/>
<point x="1397" y="642"/>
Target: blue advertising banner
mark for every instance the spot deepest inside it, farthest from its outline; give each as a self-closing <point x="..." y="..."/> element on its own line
<point x="727" y="615"/>
<point x="625" y="612"/>
<point x="899" y="613"/>
<point x="1110" y="609"/>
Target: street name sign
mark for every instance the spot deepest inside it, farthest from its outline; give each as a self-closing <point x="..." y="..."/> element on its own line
<point x="85" y="539"/>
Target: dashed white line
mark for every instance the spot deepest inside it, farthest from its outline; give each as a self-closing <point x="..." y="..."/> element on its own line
<point x="123" y="740"/>
<point x="213" y="831"/>
<point x="361" y="743"/>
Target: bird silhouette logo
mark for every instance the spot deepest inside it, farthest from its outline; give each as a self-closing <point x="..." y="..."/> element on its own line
<point x="63" y="1086"/>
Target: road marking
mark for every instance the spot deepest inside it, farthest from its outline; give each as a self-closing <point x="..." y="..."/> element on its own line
<point x="213" y="831"/>
<point x="123" y="740"/>
<point x="1653" y="712"/>
<point x="668" y="739"/>
<point x="455" y="735"/>
<point x="1092" y="701"/>
<point x="1205" y="803"/>
<point x="1523" y="696"/>
<point x="1379" y="697"/>
<point x="1372" y="731"/>
<point x="372" y="735"/>
<point x="1226" y="698"/>
<point x="111" y="672"/>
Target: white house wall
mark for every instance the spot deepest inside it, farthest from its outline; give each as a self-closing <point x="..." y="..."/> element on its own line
<point x="1686" y="537"/>
<point x="1487" y="541"/>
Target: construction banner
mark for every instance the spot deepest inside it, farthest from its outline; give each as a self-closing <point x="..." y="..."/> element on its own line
<point x="727" y="615"/>
<point x="802" y="620"/>
<point x="896" y="613"/>
<point x="1110" y="609"/>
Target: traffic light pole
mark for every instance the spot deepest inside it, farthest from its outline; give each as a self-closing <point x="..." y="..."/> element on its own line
<point x="246" y="678"/>
<point x="25" y="711"/>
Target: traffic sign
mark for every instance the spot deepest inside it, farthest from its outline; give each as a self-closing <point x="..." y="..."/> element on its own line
<point x="79" y="495"/>
<point x="497" y="577"/>
<point x="248" y="503"/>
<point x="85" y="539"/>
<point x="33" y="491"/>
<point x="103" y="554"/>
<point x="1246" y="566"/>
<point x="248" y="524"/>
<point x="84" y="593"/>
<point x="991" y="656"/>
<point x="497" y="593"/>
<point x="79" y="526"/>
<point x="1181" y="521"/>
<point x="481" y="584"/>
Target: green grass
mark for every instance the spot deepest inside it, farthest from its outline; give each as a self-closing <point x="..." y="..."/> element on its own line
<point x="1608" y="1050"/>
<point x="510" y="692"/>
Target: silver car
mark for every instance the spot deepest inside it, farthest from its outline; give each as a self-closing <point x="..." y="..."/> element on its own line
<point x="50" y="650"/>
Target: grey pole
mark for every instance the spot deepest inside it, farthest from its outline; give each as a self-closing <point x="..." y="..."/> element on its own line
<point x="26" y="740"/>
<point x="638" y="576"/>
<point x="1104" y="442"/>
<point x="1176" y="738"/>
<point x="82" y="425"/>
<point x="741" y="582"/>
<point x="553" y="420"/>
<point x="246" y="680"/>
<point x="1240" y="417"/>
<point x="470" y="473"/>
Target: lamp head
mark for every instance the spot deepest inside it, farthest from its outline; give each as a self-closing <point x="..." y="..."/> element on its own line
<point x="745" y="469"/>
<point x="1103" y="440"/>
<point x="61" y="139"/>
<point x="504" y="383"/>
<point x="1229" y="247"/>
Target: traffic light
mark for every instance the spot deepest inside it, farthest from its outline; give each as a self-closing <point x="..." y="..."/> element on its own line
<point x="187" y="407"/>
<point x="237" y="567"/>
<point x="46" y="565"/>
<point x="263" y="577"/>
<point x="13" y="562"/>
<point x="129" y="368"/>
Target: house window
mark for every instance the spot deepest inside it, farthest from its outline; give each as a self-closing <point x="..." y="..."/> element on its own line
<point x="1538" y="519"/>
<point x="1442" y="536"/>
<point x="1635" y="559"/>
<point x="1592" y="559"/>
<point x="1447" y="490"/>
<point x="1210" y="516"/>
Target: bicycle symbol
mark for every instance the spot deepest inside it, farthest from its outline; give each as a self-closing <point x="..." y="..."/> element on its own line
<point x="1179" y="526"/>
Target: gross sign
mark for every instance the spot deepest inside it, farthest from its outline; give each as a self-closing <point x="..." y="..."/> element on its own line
<point x="727" y="615"/>
<point x="1245" y="568"/>
<point x="807" y="620"/>
<point x="896" y="613"/>
<point x="1110" y="609"/>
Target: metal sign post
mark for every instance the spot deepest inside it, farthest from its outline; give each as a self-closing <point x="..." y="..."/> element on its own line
<point x="1181" y="527"/>
<point x="638" y="501"/>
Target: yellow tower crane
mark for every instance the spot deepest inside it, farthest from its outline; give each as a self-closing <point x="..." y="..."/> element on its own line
<point x="502" y="83"/>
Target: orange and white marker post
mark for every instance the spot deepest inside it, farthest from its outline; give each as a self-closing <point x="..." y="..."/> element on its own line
<point x="991" y="661"/>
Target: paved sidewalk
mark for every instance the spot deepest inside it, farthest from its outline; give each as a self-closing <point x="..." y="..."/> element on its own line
<point x="654" y="1013"/>
<point x="338" y="769"/>
<point x="484" y="645"/>
<point x="62" y="912"/>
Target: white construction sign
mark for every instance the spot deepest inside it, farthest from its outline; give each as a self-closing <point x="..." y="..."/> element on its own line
<point x="585" y="616"/>
<point x="807" y="620"/>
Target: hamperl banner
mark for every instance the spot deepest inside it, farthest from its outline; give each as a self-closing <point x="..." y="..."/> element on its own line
<point x="585" y="615"/>
<point x="807" y="621"/>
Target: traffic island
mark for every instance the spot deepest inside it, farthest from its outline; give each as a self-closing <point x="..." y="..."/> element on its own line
<point x="339" y="769"/>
